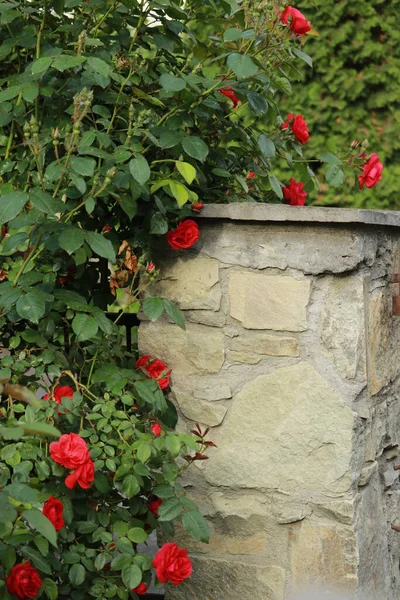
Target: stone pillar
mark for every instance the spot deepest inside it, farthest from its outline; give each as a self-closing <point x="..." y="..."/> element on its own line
<point x="292" y="357"/>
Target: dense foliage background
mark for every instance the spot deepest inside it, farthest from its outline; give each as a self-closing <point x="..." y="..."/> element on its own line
<point x="353" y="90"/>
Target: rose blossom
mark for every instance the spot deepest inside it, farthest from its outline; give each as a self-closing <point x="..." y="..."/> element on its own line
<point x="172" y="564"/>
<point x="372" y="172"/>
<point x="24" y="581"/>
<point x="53" y="509"/>
<point x="154" y="368"/>
<point x="251" y="175"/>
<point x="154" y="505"/>
<point x="70" y="451"/>
<point x="229" y="93"/>
<point x="298" y="126"/>
<point x="156" y="429"/>
<point x="150" y="267"/>
<point x="82" y="476"/>
<point x="197" y="206"/>
<point x="184" y="236"/>
<point x="140" y="589"/>
<point x="298" y="24"/>
<point x="60" y="392"/>
<point x="294" y="192"/>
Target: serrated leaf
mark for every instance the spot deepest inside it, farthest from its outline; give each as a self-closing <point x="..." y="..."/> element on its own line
<point x="83" y="166"/>
<point x="100" y="245"/>
<point x="179" y="192"/>
<point x="158" y="224"/>
<point x="139" y="169"/>
<point x="174" y="313"/>
<point x="169" y="509"/>
<point x="170" y="138"/>
<point x="40" y="523"/>
<point x="170" y="83"/>
<point x="137" y="535"/>
<point x="84" y="326"/>
<point x="266" y="146"/>
<point x="130" y="486"/>
<point x="143" y="452"/>
<point x="195" y="147"/>
<point x="31" y="306"/>
<point x="195" y="524"/>
<point x="45" y="203"/>
<point x="100" y="561"/>
<point x="66" y="61"/>
<point x="305" y="57"/>
<point x="232" y="34"/>
<point x="38" y="428"/>
<point x="187" y="171"/>
<point x="71" y="238"/>
<point x="77" y="574"/>
<point x="335" y="176"/>
<point x="131" y="576"/>
<point x="257" y="103"/>
<point x="50" y="588"/>
<point x="242" y="65"/>
<point x="10" y="205"/>
<point x="276" y="186"/>
<point x="38" y="560"/>
<point x="153" y="308"/>
<point x="330" y="159"/>
<point x="41" y="65"/>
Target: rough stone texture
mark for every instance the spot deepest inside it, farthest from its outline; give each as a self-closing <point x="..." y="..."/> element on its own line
<point x="295" y="433"/>
<point x="193" y="283"/>
<point x="292" y="355"/>
<point x="268" y="302"/>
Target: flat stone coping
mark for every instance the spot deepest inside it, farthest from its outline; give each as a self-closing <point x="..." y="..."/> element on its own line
<point x="254" y="211"/>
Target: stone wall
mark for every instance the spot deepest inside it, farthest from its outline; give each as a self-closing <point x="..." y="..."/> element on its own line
<point x="292" y="356"/>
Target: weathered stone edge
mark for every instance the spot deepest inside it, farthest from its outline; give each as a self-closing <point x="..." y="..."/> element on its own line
<point x="253" y="211"/>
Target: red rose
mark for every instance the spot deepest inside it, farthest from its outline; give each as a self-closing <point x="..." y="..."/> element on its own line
<point x="172" y="564"/>
<point x="60" y="392"/>
<point x="70" y="451"/>
<point x="107" y="228"/>
<point x="154" y="505"/>
<point x="251" y="175"/>
<point x="294" y="192"/>
<point x="83" y="476"/>
<point x="150" y="267"/>
<point x="156" y="429"/>
<point x="229" y="93"/>
<point x="140" y="589"/>
<point x="154" y="368"/>
<point x="197" y="206"/>
<point x="184" y="236"/>
<point x="372" y="172"/>
<point x="298" y="24"/>
<point x="298" y="126"/>
<point x="53" y="509"/>
<point x="24" y="581"/>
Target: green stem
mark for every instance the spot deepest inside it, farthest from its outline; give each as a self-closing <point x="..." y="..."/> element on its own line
<point x="92" y="366"/>
<point x="38" y="49"/>
<point x="27" y="260"/>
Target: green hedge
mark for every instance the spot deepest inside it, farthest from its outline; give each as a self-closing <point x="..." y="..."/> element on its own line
<point x="353" y="92"/>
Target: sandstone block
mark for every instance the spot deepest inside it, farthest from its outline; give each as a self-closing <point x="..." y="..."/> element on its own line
<point x="268" y="345"/>
<point x="243" y="358"/>
<point x="207" y="413"/>
<point x="218" y="391"/>
<point x="289" y="431"/>
<point x="193" y="283"/>
<point x="269" y="302"/>
<point x="218" y="579"/>
<point x="197" y="350"/>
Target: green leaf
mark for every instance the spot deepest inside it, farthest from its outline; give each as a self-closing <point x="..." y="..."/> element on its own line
<point x="335" y="176"/>
<point x="11" y="433"/>
<point x="8" y="557"/>
<point x="174" y="313"/>
<point x="37" y="428"/>
<point x="257" y="103"/>
<point x="331" y="159"/>
<point x="170" y="83"/>
<point x="41" y="65"/>
<point x="71" y="238"/>
<point x="242" y="65"/>
<point x="266" y="146"/>
<point x="98" y="65"/>
<point x="58" y="6"/>
<point x="38" y="560"/>
<point x="140" y="170"/>
<point x="83" y="166"/>
<point x="30" y="92"/>
<point x="187" y="171"/>
<point x="232" y="34"/>
<point x="130" y="486"/>
<point x="195" y="524"/>
<point x="179" y="192"/>
<point x="158" y="224"/>
<point x="45" y="203"/>
<point x="164" y="491"/>
<point x="50" y="589"/>
<point x="100" y="245"/>
<point x="131" y="576"/>
<point x="10" y="205"/>
<point x="170" y="138"/>
<point x="31" y="306"/>
<point x="38" y="521"/>
<point x="103" y="322"/>
<point x="42" y="545"/>
<point x="143" y="452"/>
<point x="195" y="147"/>
<point x="120" y="562"/>
<point x="84" y="326"/>
<point x="77" y="574"/>
<point x="153" y="308"/>
<point x="10" y="93"/>
<point x="305" y="57"/>
<point x="169" y="509"/>
<point x="66" y="61"/>
<point x="137" y="535"/>
<point x="276" y="186"/>
<point x="100" y="561"/>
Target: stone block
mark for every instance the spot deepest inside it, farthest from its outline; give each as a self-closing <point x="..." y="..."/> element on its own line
<point x="243" y="358"/>
<point x="192" y="282"/>
<point x="218" y="391"/>
<point x="287" y="431"/>
<point x="268" y="302"/>
<point x="197" y="350"/>
<point x="201" y="411"/>
<point x="219" y="579"/>
<point x="342" y="326"/>
<point x="265" y="344"/>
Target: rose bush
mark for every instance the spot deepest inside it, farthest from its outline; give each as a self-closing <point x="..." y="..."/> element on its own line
<point x="118" y="119"/>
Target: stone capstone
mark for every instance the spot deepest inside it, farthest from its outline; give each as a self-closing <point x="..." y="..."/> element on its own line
<point x="268" y="302"/>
